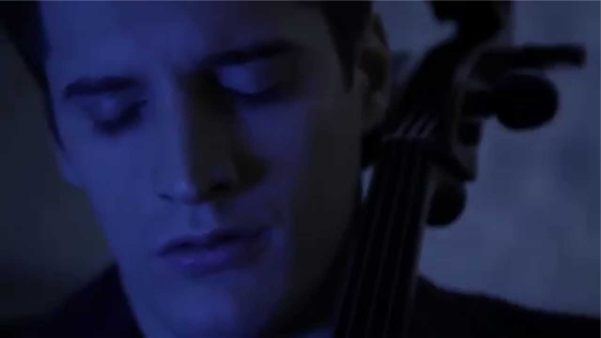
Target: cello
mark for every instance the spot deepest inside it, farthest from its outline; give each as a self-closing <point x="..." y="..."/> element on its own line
<point x="426" y="150"/>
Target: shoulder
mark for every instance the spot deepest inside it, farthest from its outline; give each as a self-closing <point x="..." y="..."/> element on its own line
<point x="100" y="309"/>
<point x="439" y="312"/>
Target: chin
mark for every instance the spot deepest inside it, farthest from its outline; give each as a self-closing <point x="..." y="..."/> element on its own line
<point x="208" y="323"/>
<point x="235" y="308"/>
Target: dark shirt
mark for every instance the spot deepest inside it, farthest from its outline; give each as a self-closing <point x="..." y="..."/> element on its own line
<point x="100" y="310"/>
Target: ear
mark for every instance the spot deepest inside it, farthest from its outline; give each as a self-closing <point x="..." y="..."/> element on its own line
<point x="374" y="65"/>
<point x="66" y="166"/>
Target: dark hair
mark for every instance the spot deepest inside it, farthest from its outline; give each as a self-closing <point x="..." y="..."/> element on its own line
<point x="346" y="21"/>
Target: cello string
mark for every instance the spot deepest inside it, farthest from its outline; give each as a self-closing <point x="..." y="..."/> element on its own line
<point x="400" y="186"/>
<point x="422" y="172"/>
<point x="398" y="158"/>
<point x="400" y="253"/>
<point x="404" y="207"/>
<point x="353" y="294"/>
<point x="400" y="181"/>
<point x="354" y="232"/>
<point x="405" y="226"/>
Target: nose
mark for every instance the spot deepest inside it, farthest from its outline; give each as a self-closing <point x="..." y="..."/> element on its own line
<point x="189" y="193"/>
<point x="193" y="186"/>
<point x="194" y="158"/>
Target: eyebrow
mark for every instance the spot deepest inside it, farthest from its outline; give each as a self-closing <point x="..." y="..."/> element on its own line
<point x="97" y="86"/>
<point x="263" y="50"/>
<point x="110" y="84"/>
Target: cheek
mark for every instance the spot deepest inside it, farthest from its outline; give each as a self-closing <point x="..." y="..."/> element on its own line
<point x="323" y="198"/>
<point x="312" y="151"/>
<point x="327" y="181"/>
<point x="117" y="187"/>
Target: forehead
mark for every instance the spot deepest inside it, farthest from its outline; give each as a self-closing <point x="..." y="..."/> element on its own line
<point x="131" y="33"/>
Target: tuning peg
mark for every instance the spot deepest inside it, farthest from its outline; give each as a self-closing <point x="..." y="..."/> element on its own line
<point x="447" y="204"/>
<point x="469" y="133"/>
<point x="523" y="101"/>
<point x="502" y="60"/>
<point x="474" y="19"/>
<point x="519" y="101"/>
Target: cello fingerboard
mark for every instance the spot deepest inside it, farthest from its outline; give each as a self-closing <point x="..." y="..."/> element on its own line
<point x="377" y="299"/>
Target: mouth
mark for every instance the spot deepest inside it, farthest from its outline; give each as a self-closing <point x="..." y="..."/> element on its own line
<point x="214" y="251"/>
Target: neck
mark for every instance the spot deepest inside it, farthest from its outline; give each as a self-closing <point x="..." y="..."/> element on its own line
<point x="317" y="319"/>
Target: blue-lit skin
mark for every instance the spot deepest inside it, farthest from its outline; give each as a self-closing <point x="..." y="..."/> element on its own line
<point x="283" y="132"/>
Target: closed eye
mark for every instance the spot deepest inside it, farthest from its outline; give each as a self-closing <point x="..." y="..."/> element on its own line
<point x="257" y="81"/>
<point x="265" y="96"/>
<point x="126" y="119"/>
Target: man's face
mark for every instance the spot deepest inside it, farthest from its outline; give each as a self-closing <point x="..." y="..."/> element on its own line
<point x="172" y="136"/>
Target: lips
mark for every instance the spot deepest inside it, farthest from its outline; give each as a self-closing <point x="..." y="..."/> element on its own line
<point x="217" y="250"/>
